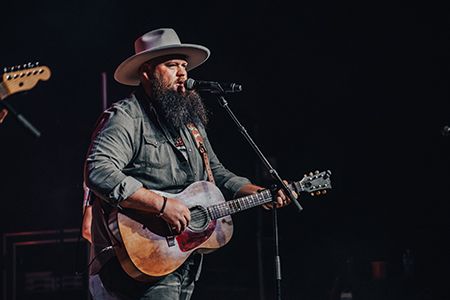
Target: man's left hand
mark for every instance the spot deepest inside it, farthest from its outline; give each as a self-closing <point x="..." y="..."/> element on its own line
<point x="281" y="199"/>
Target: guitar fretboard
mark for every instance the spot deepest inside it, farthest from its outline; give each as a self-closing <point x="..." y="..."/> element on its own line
<point x="233" y="206"/>
<point x="312" y="183"/>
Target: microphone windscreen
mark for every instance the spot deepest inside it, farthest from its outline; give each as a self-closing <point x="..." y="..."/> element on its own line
<point x="189" y="84"/>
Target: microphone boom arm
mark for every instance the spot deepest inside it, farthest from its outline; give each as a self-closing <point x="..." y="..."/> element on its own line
<point x="223" y="102"/>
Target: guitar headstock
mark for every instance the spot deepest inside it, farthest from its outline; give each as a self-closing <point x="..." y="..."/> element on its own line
<point x="316" y="183"/>
<point x="23" y="77"/>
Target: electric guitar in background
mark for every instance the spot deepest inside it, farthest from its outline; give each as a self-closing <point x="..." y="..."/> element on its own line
<point x="146" y="247"/>
<point x="18" y="79"/>
<point x="3" y="114"/>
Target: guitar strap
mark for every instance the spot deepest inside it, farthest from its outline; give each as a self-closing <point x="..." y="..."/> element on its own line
<point x="201" y="148"/>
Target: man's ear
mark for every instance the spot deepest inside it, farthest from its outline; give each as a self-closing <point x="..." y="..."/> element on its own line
<point x="144" y="74"/>
<point x="143" y="70"/>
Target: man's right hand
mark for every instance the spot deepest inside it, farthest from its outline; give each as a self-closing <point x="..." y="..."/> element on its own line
<point x="177" y="215"/>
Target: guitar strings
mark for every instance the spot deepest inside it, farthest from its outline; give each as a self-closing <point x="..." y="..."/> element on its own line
<point x="197" y="214"/>
<point x="223" y="208"/>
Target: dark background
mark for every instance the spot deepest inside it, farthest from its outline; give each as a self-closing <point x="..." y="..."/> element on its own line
<point x="359" y="89"/>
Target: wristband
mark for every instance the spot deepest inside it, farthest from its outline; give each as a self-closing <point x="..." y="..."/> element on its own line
<point x="161" y="212"/>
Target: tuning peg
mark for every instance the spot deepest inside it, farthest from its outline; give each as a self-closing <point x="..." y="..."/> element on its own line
<point x="311" y="174"/>
<point x="312" y="194"/>
<point x="324" y="192"/>
<point x="317" y="172"/>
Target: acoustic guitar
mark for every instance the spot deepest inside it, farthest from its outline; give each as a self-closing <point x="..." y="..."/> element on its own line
<point x="146" y="247"/>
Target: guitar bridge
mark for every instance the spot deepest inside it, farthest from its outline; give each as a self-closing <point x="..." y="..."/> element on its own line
<point x="170" y="241"/>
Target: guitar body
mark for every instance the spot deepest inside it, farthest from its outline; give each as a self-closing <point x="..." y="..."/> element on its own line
<point x="148" y="250"/>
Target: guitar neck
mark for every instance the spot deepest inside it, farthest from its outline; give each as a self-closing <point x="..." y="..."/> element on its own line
<point x="233" y="206"/>
<point x="3" y="92"/>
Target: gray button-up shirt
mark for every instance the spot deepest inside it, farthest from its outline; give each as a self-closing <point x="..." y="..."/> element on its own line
<point x="131" y="149"/>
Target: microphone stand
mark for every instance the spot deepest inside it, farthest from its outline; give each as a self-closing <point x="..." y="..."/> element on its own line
<point x="223" y="102"/>
<point x="22" y="120"/>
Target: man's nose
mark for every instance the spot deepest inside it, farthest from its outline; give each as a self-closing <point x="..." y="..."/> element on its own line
<point x="182" y="72"/>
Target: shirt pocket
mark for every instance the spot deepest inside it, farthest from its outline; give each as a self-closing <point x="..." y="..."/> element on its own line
<point x="155" y="152"/>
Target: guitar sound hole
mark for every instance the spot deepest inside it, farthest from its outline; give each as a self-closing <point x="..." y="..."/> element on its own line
<point x="199" y="218"/>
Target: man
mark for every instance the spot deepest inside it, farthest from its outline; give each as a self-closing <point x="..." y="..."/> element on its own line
<point x="146" y="143"/>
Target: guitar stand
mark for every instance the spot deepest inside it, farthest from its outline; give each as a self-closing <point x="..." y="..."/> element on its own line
<point x="279" y="182"/>
<point x="20" y="118"/>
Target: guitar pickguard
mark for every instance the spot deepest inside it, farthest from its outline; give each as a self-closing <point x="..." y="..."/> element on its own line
<point x="189" y="239"/>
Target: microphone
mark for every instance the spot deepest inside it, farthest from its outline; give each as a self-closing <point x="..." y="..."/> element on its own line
<point x="212" y="86"/>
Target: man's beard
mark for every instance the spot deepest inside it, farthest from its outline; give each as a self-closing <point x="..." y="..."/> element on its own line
<point x="178" y="109"/>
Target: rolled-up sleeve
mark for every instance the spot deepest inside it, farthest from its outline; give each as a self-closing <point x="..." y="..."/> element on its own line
<point x="110" y="151"/>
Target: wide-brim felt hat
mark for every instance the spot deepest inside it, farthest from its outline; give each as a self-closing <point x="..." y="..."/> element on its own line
<point x="157" y="43"/>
